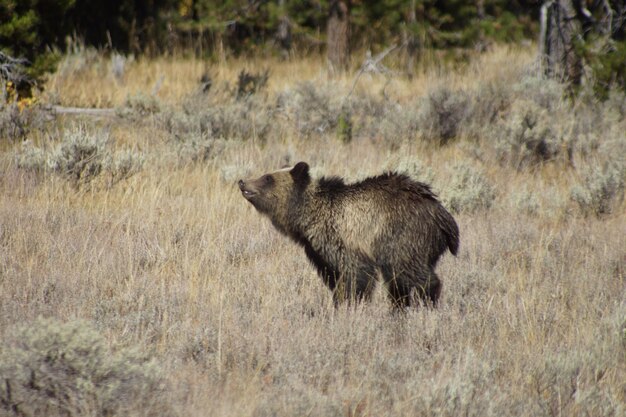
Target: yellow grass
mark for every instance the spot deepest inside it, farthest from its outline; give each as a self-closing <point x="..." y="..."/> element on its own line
<point x="93" y="84"/>
<point x="174" y="261"/>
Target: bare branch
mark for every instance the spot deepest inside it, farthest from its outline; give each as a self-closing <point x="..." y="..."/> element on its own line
<point x="12" y="69"/>
<point x="373" y="65"/>
<point x="609" y="15"/>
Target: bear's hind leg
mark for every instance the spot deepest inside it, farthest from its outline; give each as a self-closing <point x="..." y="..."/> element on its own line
<point x="428" y="286"/>
<point x="433" y="289"/>
<point x="403" y="283"/>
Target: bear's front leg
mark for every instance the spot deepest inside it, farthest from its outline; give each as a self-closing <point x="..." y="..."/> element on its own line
<point x="356" y="282"/>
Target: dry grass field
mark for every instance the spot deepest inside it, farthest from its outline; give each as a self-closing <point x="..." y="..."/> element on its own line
<point x="136" y="281"/>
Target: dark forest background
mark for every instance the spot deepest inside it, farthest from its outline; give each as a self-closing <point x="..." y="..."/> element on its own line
<point x="156" y="26"/>
<point x="579" y="32"/>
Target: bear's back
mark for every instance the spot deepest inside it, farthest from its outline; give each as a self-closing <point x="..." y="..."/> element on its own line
<point x="387" y="186"/>
<point x="383" y="209"/>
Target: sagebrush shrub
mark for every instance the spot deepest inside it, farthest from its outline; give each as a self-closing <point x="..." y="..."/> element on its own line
<point x="125" y="164"/>
<point x="442" y="114"/>
<point x="81" y="157"/>
<point x="193" y="148"/>
<point x="468" y="190"/>
<point x="312" y="109"/>
<point x="412" y="167"/>
<point x="139" y="106"/>
<point x="32" y="158"/>
<point x="61" y="369"/>
<point x="244" y="119"/>
<point x="546" y="93"/>
<point x="16" y="123"/>
<point x="488" y="102"/>
<point x="601" y="189"/>
<point x="398" y="123"/>
<point x="525" y="201"/>
<point x="616" y="104"/>
<point x="215" y="118"/>
<point x="526" y="136"/>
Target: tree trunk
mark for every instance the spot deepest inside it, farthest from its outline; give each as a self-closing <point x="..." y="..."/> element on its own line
<point x="410" y="40"/>
<point x="283" y="31"/>
<point x="283" y="36"/>
<point x="338" y="35"/>
<point x="482" y="43"/>
<point x="560" y="30"/>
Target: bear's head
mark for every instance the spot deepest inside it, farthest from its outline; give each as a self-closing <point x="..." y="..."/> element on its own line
<point x="275" y="194"/>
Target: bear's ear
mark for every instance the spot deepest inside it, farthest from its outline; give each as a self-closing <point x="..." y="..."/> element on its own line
<point x="300" y="173"/>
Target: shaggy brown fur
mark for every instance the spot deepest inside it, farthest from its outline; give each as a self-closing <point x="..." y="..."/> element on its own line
<point x="389" y="224"/>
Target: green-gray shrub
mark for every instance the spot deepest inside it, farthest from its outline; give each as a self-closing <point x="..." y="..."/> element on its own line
<point x="125" y="164"/>
<point x="81" y="156"/>
<point x="612" y="146"/>
<point x="52" y="368"/>
<point x="139" y="106"/>
<point x="526" y="136"/>
<point x="31" y="158"/>
<point x="193" y="148"/>
<point x="601" y="190"/>
<point x="442" y="114"/>
<point x="488" y="102"/>
<point x="313" y="109"/>
<point x="468" y="190"/>
<point x="398" y="123"/>
<point x="615" y="105"/>
<point x="412" y="167"/>
<point x="488" y="107"/>
<point x="220" y="118"/>
<point x="245" y="119"/>
<point x="546" y="93"/>
<point x="16" y="124"/>
<point x="525" y="201"/>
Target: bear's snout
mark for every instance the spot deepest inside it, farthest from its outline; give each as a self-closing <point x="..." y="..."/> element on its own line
<point x="246" y="190"/>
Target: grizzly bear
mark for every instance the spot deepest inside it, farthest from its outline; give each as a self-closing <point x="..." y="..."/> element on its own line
<point x="389" y="225"/>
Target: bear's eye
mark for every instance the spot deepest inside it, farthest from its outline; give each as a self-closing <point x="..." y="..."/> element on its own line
<point x="267" y="179"/>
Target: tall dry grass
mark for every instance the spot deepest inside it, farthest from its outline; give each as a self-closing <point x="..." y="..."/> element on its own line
<point x="174" y="262"/>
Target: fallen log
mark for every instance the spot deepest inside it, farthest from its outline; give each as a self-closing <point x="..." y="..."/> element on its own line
<point x="84" y="111"/>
